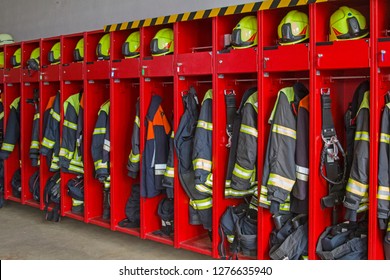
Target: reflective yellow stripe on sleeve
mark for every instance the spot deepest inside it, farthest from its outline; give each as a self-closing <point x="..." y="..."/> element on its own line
<point x="36" y="116"/>
<point x="99" y="130"/>
<point x="55" y="115"/>
<point x="205" y="125"/>
<point x="241" y="172"/>
<point x="203" y="164"/>
<point x="202" y="204"/>
<point x="70" y="125"/>
<point x="281" y="182"/>
<point x="169" y="172"/>
<point x="248" y="130"/>
<point x="34" y="145"/>
<point x="137" y="121"/>
<point x="7" y="147"/>
<point x="134" y="158"/>
<point x="48" y="143"/>
<point x="356" y="187"/>
<point x="362" y="136"/>
<point x="383" y="193"/>
<point x="385" y="138"/>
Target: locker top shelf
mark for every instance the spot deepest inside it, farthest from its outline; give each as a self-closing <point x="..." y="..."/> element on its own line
<point x="202" y="14"/>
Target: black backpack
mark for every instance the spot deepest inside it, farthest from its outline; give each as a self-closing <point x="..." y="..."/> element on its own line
<point x="34" y="185"/>
<point x="16" y="184"/>
<point x="132" y="209"/>
<point x="52" y="194"/>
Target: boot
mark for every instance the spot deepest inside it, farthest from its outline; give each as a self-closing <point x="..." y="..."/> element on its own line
<point x="106" y="204"/>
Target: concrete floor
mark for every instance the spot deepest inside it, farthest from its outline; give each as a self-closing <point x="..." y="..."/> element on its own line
<point x="25" y="235"/>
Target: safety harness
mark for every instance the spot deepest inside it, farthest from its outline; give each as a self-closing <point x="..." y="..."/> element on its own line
<point x="335" y="176"/>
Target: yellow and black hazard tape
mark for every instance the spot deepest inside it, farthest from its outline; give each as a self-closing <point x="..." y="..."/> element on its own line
<point x="231" y="10"/>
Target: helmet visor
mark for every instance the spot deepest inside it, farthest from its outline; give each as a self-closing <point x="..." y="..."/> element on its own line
<point x="354" y="30"/>
<point x="32" y="64"/>
<point x="126" y="50"/>
<point x="237" y="41"/>
<point x="100" y="54"/>
<point x="288" y="36"/>
<point x="14" y="62"/>
<point x="77" y="55"/>
<point x="51" y="57"/>
<point x="154" y="49"/>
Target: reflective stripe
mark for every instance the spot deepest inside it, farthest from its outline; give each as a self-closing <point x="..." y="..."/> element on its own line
<point x="1" y="115"/>
<point x="47" y="143"/>
<point x="203" y="164"/>
<point x="169" y="172"/>
<point x="301" y="169"/>
<point x="70" y="125"/>
<point x="159" y="172"/>
<point x="100" y="165"/>
<point x="385" y="138"/>
<point x="107" y="145"/>
<point x="230" y="238"/>
<point x="239" y="193"/>
<point x="242" y="172"/>
<point x="362" y="136"/>
<point x="203" y="189"/>
<point x="356" y="187"/>
<point x="362" y="208"/>
<point x="280" y="181"/>
<point x="209" y="180"/>
<point x="76" y="202"/>
<point x="388" y="227"/>
<point x="201" y="204"/>
<point x="7" y="147"/>
<point x="55" y="115"/>
<point x="284" y="131"/>
<point x="66" y="153"/>
<point x="76" y="169"/>
<point x="36" y="116"/>
<point x="134" y="158"/>
<point x="248" y="130"/>
<point x="205" y="125"/>
<point x="173" y="134"/>
<point x="34" y="145"/>
<point x="99" y="130"/>
<point x="162" y="166"/>
<point x="137" y="121"/>
<point x="302" y="177"/>
<point x="383" y="193"/>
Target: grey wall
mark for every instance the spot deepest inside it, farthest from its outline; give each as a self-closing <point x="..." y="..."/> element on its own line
<point x="32" y="19"/>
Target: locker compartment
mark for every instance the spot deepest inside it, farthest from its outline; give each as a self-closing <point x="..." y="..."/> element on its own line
<point x="342" y="54"/>
<point x="68" y="88"/>
<point x="162" y="86"/>
<point x="194" y="48"/>
<point x="160" y="65"/>
<point x="225" y="84"/>
<point x="272" y="83"/>
<point x="279" y="56"/>
<point x="187" y="236"/>
<point x="12" y="163"/>
<point x="29" y="75"/>
<point x="28" y="98"/>
<point x="48" y="91"/>
<point x="124" y="66"/>
<point x="50" y="59"/>
<point x="72" y="64"/>
<point x="124" y="95"/>
<point x="95" y="94"/>
<point x="342" y="85"/>
<point x="228" y="59"/>
<point x="12" y="74"/>
<point x="97" y="66"/>
<point x="383" y="52"/>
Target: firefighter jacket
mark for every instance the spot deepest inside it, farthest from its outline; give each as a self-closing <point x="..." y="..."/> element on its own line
<point x="279" y="172"/>
<point x="34" y="146"/>
<point x="169" y="173"/>
<point x="155" y="154"/>
<point x="202" y="163"/>
<point x="299" y="196"/>
<point x="12" y="133"/>
<point x="383" y="194"/>
<point x="134" y="157"/>
<point x="100" y="146"/>
<point x="244" y="179"/>
<point x="70" y="155"/>
<point x="46" y="117"/>
<point x="50" y="146"/>
<point x="356" y="196"/>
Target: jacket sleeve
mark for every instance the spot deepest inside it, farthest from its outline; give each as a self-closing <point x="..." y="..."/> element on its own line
<point x="244" y="172"/>
<point x="134" y="157"/>
<point x="282" y="174"/>
<point x="99" y="143"/>
<point x="169" y="171"/>
<point x="357" y="187"/>
<point x="50" y="136"/>
<point x="12" y="133"/>
<point x="383" y="194"/>
<point x="34" y="146"/>
<point x="69" y="130"/>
